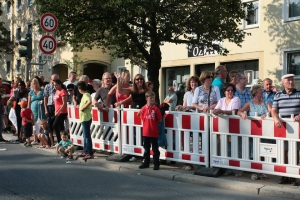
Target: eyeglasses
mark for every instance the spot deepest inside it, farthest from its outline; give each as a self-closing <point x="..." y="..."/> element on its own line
<point x="139" y="79"/>
<point x="229" y="90"/>
<point x="209" y="77"/>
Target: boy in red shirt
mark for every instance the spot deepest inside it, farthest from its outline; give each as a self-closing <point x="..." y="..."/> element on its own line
<point x="27" y="121"/>
<point x="151" y="116"/>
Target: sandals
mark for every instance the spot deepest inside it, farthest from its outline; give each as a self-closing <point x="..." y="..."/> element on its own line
<point x="40" y="147"/>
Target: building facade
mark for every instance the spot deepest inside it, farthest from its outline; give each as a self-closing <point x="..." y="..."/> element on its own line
<point x="273" y="49"/>
<point x="20" y="18"/>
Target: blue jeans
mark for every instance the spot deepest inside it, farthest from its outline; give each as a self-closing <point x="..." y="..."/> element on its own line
<point x="87" y="140"/>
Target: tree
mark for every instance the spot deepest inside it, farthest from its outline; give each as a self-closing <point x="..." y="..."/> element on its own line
<point x="136" y="29"/>
<point x="6" y="44"/>
<point x="74" y="64"/>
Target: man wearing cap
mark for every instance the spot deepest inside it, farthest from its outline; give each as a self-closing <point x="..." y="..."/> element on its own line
<point x="221" y="74"/>
<point x="286" y="103"/>
<point x="72" y="79"/>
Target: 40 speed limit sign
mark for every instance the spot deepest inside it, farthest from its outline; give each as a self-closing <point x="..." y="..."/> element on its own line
<point x="47" y="44"/>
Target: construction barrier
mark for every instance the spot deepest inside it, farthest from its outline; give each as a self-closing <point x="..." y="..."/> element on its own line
<point x="255" y="145"/>
<point x="104" y="129"/>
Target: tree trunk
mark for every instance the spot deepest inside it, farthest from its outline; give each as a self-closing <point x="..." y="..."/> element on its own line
<point x="154" y="65"/>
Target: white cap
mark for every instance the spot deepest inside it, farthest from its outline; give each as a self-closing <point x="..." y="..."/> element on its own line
<point x="287" y="76"/>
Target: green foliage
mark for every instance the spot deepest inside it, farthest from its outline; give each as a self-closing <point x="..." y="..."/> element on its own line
<point x="6" y="45"/>
<point x="75" y="63"/>
<point x="136" y="29"/>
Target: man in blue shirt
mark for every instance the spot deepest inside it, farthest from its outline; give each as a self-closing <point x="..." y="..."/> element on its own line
<point x="269" y="91"/>
<point x="171" y="98"/>
<point x="221" y="74"/>
<point x="241" y="91"/>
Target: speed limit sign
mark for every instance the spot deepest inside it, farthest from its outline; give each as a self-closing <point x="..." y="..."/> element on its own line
<point x="47" y="44"/>
<point x="49" y="22"/>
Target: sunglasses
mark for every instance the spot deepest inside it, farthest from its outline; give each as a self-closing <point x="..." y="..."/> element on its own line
<point x="229" y="90"/>
<point x="139" y="79"/>
<point x="209" y="77"/>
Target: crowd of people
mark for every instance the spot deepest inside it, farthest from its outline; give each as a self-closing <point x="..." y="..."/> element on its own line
<point x="41" y="109"/>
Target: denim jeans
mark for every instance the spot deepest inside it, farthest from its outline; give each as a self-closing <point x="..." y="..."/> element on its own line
<point x="87" y="140"/>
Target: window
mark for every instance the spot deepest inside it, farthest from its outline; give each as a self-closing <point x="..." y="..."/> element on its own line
<point x="252" y="14"/>
<point x="7" y="67"/>
<point x="8" y="36"/>
<point x="293" y="63"/>
<point x="291" y="10"/>
<point x="18" y="33"/>
<point x="29" y="2"/>
<point x="29" y="28"/>
<point x="8" y="5"/>
<point x="19" y="5"/>
<point x="18" y="66"/>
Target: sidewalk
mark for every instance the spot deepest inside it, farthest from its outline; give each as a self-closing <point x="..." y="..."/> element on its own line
<point x="268" y="187"/>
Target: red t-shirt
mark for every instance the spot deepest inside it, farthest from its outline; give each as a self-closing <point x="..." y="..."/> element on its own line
<point x="5" y="90"/>
<point x="150" y="116"/>
<point x="25" y="112"/>
<point x="58" y="101"/>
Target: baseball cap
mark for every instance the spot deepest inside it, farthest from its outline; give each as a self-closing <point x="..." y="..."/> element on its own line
<point x="23" y="102"/>
<point x="287" y="76"/>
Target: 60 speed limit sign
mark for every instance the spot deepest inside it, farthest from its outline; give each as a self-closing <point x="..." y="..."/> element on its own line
<point x="49" y="22"/>
<point x="47" y="44"/>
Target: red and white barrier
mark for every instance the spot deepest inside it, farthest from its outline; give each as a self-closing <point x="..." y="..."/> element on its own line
<point x="267" y="142"/>
<point x="104" y="129"/>
<point x="187" y="136"/>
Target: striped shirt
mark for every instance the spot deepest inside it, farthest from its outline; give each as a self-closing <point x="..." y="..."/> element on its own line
<point x="287" y="104"/>
<point x="49" y="91"/>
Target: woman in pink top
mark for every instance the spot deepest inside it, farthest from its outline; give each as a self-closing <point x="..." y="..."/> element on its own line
<point x="124" y="99"/>
<point x="228" y="103"/>
<point x="60" y="104"/>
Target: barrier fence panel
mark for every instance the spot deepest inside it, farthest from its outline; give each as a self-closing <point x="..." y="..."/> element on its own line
<point x="255" y="145"/>
<point x="131" y="131"/>
<point x="188" y="138"/>
<point x="104" y="129"/>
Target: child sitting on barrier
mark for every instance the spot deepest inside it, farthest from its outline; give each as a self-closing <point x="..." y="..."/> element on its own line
<point x="65" y="146"/>
<point x="151" y="116"/>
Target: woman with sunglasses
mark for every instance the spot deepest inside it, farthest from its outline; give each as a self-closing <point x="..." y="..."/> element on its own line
<point x="206" y="96"/>
<point x="60" y="105"/>
<point x="228" y="103"/>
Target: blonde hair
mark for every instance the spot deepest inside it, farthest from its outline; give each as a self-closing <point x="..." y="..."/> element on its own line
<point x="203" y="76"/>
<point x="123" y="75"/>
<point x="35" y="80"/>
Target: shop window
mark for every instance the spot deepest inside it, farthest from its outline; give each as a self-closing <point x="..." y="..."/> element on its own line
<point x="291" y="10"/>
<point x="204" y="67"/>
<point x="293" y="63"/>
<point x="252" y="14"/>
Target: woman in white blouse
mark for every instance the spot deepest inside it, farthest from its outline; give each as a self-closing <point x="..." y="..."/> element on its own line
<point x="192" y="83"/>
<point x="206" y="96"/>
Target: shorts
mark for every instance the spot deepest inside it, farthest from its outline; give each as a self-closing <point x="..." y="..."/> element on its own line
<point x="73" y="149"/>
<point x="27" y="129"/>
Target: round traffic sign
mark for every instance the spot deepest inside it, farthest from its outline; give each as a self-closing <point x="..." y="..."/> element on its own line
<point x="49" y="22"/>
<point x="47" y="44"/>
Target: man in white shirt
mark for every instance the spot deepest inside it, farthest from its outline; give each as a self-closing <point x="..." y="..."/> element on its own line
<point x="72" y="79"/>
<point x="171" y="98"/>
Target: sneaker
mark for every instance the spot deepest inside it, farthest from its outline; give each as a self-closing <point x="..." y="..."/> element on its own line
<point x="88" y="156"/>
<point x="263" y="176"/>
<point x="156" y="167"/>
<point x="144" y="165"/>
<point x="254" y="177"/>
<point x="293" y="182"/>
<point x="132" y="159"/>
<point x="25" y="143"/>
<point x="82" y="154"/>
<point x="28" y="145"/>
<point x="70" y="158"/>
<point x="34" y="143"/>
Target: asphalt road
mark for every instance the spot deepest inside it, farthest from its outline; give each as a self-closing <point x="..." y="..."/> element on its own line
<point x="30" y="173"/>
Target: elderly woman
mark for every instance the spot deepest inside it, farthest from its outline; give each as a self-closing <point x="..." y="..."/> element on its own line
<point x="206" y="96"/>
<point x="96" y="85"/>
<point x="256" y="105"/>
<point x="192" y="83"/>
<point x="228" y="103"/>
